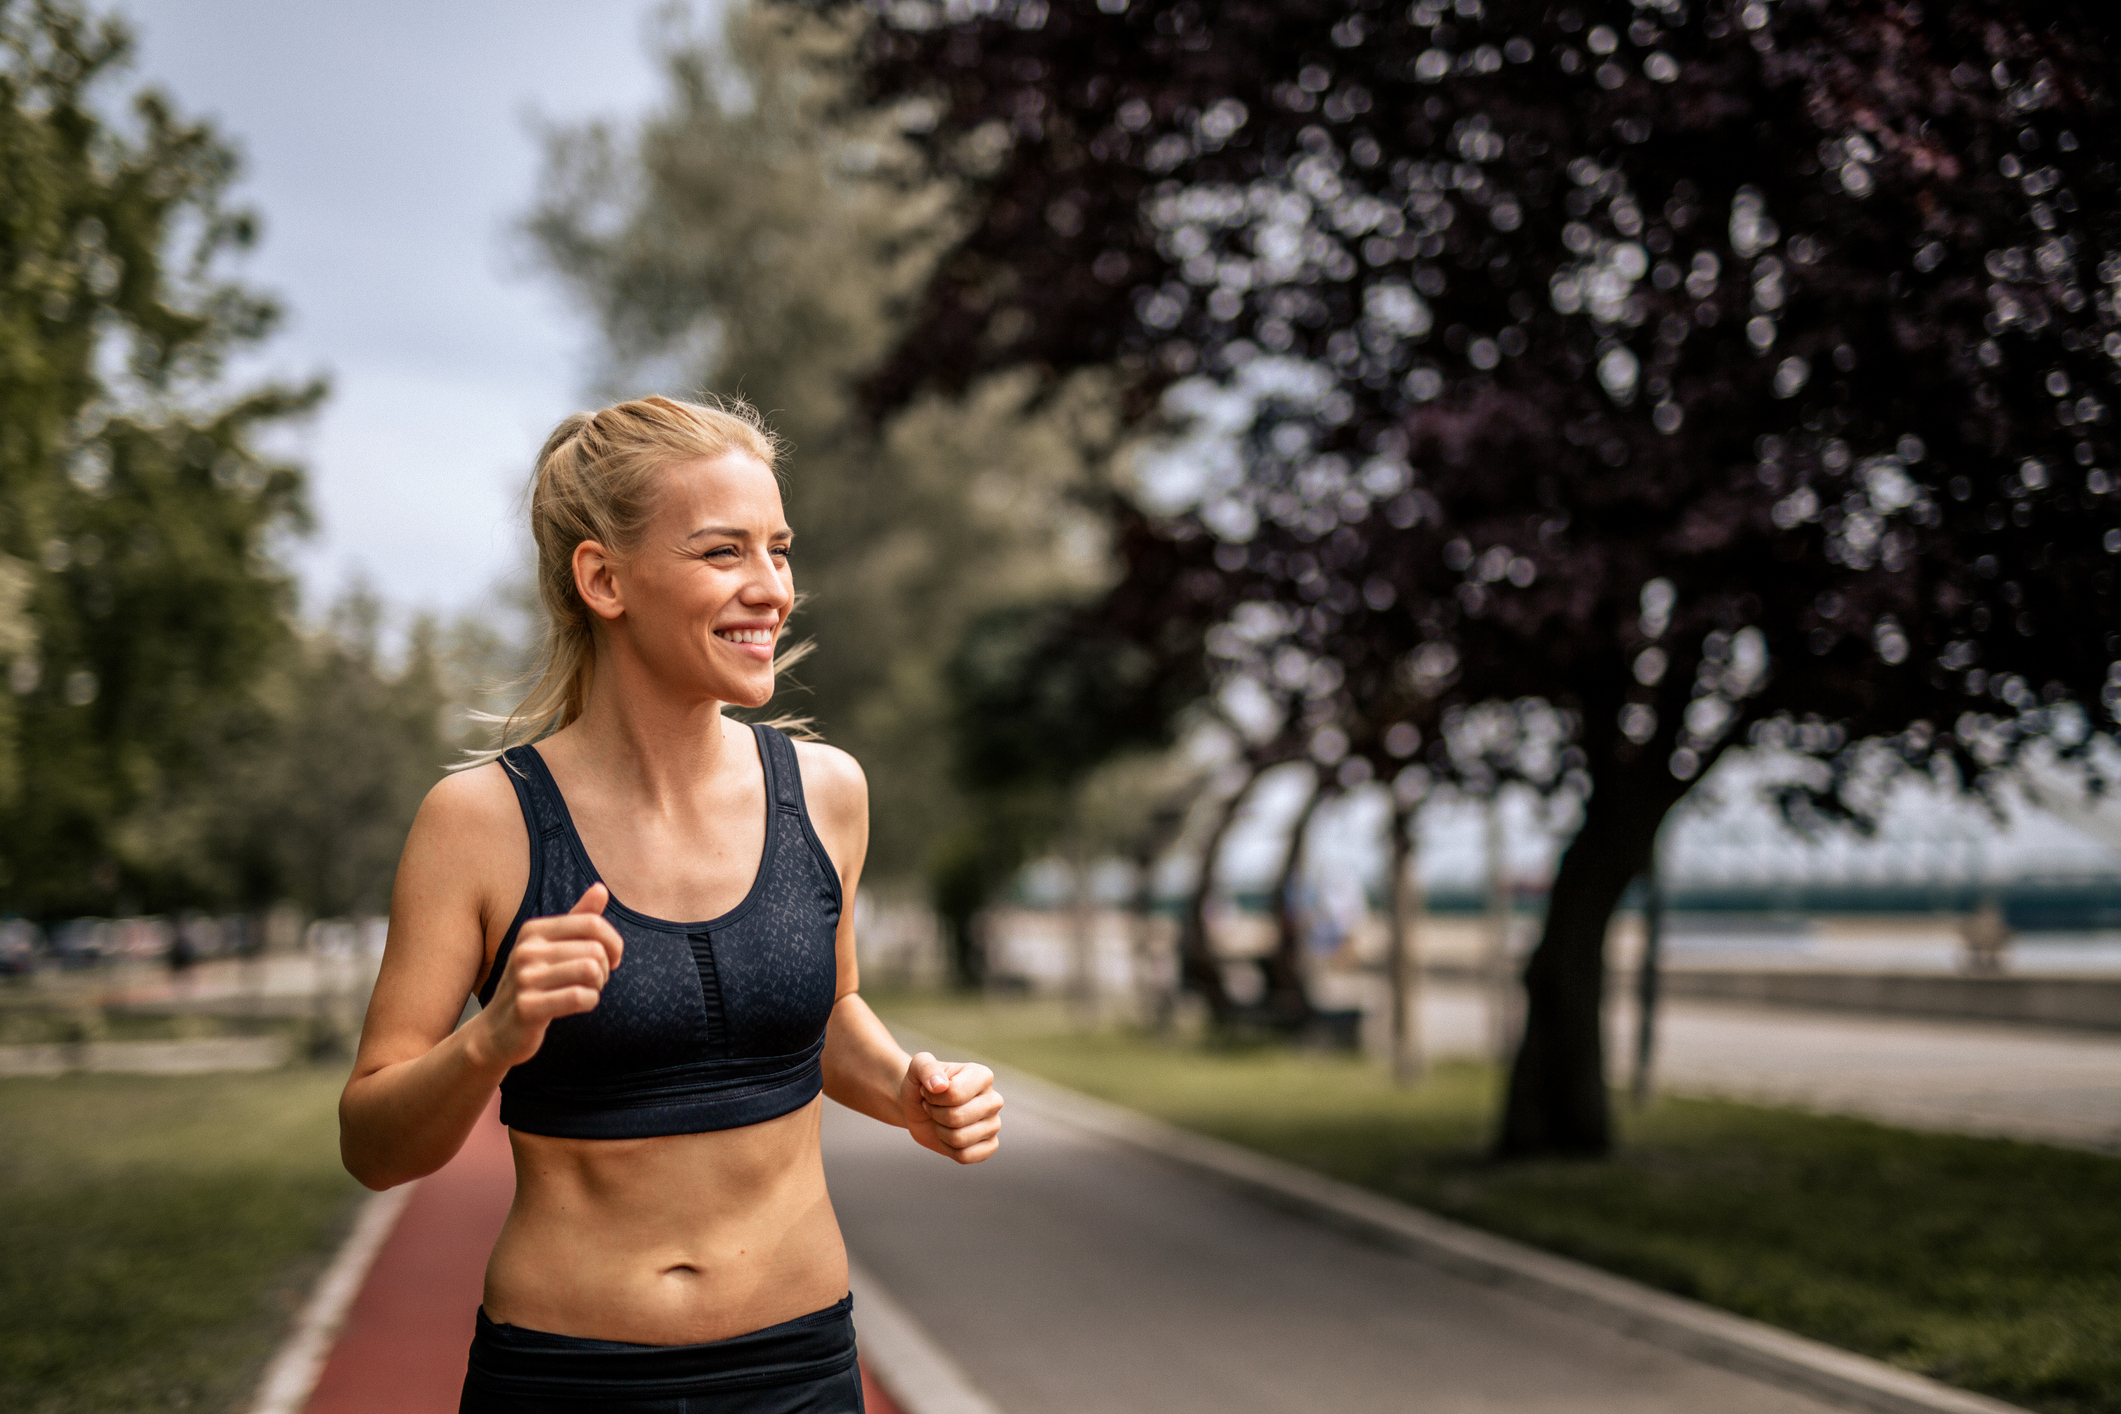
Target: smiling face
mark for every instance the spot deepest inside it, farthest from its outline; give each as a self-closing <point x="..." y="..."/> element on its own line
<point x="701" y="600"/>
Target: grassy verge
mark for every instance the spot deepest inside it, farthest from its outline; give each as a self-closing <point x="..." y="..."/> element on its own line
<point x="54" y="1026"/>
<point x="156" y="1233"/>
<point x="1986" y="1263"/>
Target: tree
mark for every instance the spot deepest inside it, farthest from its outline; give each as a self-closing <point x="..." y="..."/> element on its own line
<point x="133" y="496"/>
<point x="1714" y="373"/>
<point x="762" y="235"/>
<point x="318" y="769"/>
<point x="1041" y="693"/>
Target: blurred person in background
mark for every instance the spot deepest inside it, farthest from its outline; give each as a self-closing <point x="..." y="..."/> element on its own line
<point x="671" y="1237"/>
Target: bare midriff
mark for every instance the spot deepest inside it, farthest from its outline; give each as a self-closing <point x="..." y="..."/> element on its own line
<point x="674" y="1240"/>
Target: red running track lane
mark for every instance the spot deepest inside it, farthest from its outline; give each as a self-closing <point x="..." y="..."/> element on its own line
<point x="874" y="1400"/>
<point x="402" y="1348"/>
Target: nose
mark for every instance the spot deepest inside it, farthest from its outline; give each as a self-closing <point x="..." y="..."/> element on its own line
<point x="768" y="585"/>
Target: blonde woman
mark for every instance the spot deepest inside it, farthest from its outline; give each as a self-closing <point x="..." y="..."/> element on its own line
<point x="671" y="1246"/>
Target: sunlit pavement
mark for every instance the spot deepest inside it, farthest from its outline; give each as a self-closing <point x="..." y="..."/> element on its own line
<point x="2021" y="1082"/>
<point x="1068" y="1275"/>
<point x="2053" y="1086"/>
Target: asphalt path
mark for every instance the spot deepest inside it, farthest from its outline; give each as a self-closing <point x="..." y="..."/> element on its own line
<point x="1073" y="1275"/>
<point x="2044" y="1084"/>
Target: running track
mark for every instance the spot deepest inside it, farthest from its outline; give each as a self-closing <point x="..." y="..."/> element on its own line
<point x="402" y="1348"/>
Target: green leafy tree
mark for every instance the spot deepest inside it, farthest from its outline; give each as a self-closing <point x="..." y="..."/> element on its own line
<point x="761" y="235"/>
<point x="318" y="770"/>
<point x="135" y="505"/>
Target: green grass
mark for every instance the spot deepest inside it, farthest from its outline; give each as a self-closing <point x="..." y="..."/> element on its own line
<point x="157" y="1232"/>
<point x="1992" y="1265"/>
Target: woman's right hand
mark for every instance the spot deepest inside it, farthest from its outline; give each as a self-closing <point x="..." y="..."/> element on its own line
<point x="558" y="968"/>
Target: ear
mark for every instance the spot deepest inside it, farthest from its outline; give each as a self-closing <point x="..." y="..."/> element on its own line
<point x="596" y="579"/>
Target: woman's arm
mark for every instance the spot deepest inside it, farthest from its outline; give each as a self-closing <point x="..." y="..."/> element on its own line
<point x="419" y="1081"/>
<point x="950" y="1108"/>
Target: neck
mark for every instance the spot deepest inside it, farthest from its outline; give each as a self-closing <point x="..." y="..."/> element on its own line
<point x="635" y="735"/>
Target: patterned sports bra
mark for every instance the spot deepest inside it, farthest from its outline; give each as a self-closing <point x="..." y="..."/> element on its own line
<point x="702" y="1026"/>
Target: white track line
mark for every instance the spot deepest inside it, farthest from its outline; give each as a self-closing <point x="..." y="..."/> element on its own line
<point x="919" y="1376"/>
<point x="292" y="1375"/>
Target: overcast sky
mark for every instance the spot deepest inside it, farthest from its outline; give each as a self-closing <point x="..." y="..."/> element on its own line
<point x="389" y="147"/>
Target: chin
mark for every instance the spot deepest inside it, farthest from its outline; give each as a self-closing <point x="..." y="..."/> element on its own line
<point x="749" y="698"/>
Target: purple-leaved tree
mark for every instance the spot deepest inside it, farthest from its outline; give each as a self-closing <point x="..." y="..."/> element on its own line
<point x="1710" y="372"/>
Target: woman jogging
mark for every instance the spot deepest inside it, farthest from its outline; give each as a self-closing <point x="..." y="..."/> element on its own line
<point x="671" y="1246"/>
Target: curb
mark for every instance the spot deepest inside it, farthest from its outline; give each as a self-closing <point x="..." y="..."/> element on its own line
<point x="913" y="1369"/>
<point x="1689" y="1328"/>
<point x="292" y="1376"/>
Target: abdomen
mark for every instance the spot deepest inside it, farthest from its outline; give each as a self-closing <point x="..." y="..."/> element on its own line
<point x="671" y="1240"/>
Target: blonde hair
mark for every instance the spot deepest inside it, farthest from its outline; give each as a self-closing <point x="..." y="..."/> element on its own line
<point x="596" y="479"/>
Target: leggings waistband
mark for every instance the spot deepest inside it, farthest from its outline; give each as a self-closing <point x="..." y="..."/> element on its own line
<point x="515" y="1360"/>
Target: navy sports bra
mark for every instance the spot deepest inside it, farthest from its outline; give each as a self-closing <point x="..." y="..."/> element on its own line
<point x="702" y="1025"/>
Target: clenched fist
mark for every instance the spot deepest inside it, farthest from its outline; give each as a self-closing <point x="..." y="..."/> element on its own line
<point x="558" y="968"/>
<point x="952" y="1109"/>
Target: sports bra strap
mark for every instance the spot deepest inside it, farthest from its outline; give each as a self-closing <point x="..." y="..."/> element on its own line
<point x="536" y="789"/>
<point x="782" y="772"/>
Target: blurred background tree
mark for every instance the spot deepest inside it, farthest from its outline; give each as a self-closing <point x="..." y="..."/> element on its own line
<point x="1685" y="376"/>
<point x="170" y="736"/>
<point x="318" y="770"/>
<point x="135" y="502"/>
<point x="762" y="235"/>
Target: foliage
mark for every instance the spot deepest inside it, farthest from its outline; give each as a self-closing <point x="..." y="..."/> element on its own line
<point x="1044" y="690"/>
<point x="161" y="1231"/>
<point x="1978" y="1261"/>
<point x="319" y="771"/>
<point x="1042" y="694"/>
<point x="1682" y="375"/>
<point x="761" y="235"/>
<point x="136" y="602"/>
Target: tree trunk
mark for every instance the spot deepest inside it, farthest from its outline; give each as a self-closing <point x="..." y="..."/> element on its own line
<point x="1557" y="1100"/>
<point x="1646" y="979"/>
<point x="1404" y="902"/>
<point x="1082" y="934"/>
<point x="1287" y="1001"/>
<point x="1166" y="823"/>
<point x="1198" y="968"/>
<point x="1501" y="914"/>
<point x="1151" y="984"/>
<point x="968" y="960"/>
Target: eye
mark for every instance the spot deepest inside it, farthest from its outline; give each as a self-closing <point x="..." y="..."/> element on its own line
<point x="722" y="552"/>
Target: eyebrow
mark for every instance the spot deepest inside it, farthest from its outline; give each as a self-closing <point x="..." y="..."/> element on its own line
<point x="737" y="533"/>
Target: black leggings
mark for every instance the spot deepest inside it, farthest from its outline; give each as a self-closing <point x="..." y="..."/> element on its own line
<point x="803" y="1366"/>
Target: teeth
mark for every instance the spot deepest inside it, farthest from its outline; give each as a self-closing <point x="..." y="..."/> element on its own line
<point x="747" y="635"/>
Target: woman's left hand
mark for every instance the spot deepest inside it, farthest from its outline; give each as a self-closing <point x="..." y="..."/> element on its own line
<point x="952" y="1109"/>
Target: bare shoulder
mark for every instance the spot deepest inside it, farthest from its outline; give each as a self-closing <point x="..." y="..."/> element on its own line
<point x="833" y="785"/>
<point x="468" y="814"/>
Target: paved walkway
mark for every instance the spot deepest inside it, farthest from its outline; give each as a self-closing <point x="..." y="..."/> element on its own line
<point x="1073" y="1276"/>
<point x="1069" y="1275"/>
<point x="2018" y="1082"/>
<point x="1970" y="1077"/>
